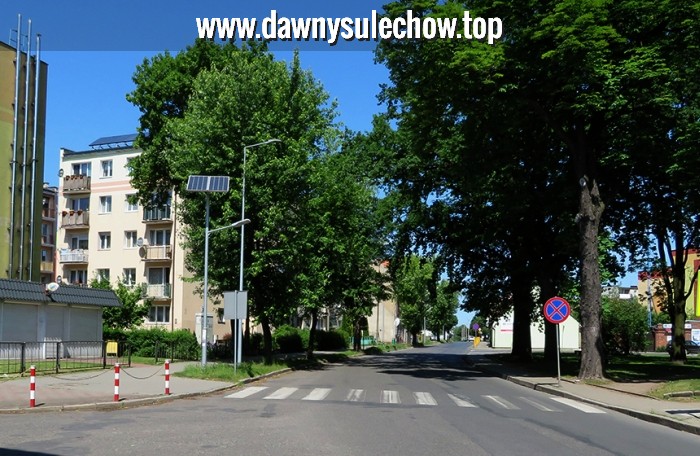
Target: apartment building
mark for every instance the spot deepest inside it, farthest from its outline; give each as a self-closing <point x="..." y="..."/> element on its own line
<point x="49" y="227"/>
<point x="104" y="233"/>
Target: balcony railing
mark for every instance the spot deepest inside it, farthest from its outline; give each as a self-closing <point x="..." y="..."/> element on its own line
<point x="47" y="239"/>
<point x="48" y="213"/>
<point x="156" y="291"/>
<point x="47" y="266"/>
<point x="158" y="252"/>
<point x="157" y="214"/>
<point x="77" y="183"/>
<point x="73" y="256"/>
<point x="75" y="219"/>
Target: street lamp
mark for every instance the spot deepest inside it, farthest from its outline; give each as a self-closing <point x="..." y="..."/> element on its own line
<point x="239" y="338"/>
<point x="208" y="184"/>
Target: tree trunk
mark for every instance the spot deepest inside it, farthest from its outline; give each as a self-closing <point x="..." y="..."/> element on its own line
<point x="522" y="318"/>
<point x="357" y="335"/>
<point x="592" y="351"/>
<point x="675" y="289"/>
<point x="548" y="291"/>
<point x="312" y="334"/>
<point x="267" y="338"/>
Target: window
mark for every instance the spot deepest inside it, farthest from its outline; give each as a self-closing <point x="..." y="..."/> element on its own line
<point x="81" y="169"/>
<point x="78" y="276"/>
<point x="130" y="204"/>
<point x="79" y="242"/>
<point x="80" y="204"/>
<point x="45" y="255"/>
<point x="220" y="315"/>
<point x="159" y="314"/>
<point x="106" y="168"/>
<point x="103" y="274"/>
<point x="129" y="276"/>
<point x="159" y="237"/>
<point x="130" y="239"/>
<point x="105" y="241"/>
<point x="105" y="204"/>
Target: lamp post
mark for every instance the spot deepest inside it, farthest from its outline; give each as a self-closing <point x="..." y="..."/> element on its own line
<point x="239" y="338"/>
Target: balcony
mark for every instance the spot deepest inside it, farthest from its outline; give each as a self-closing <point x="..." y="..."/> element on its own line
<point x="77" y="183"/>
<point x="160" y="214"/>
<point x="48" y="213"/>
<point x="46" y="267"/>
<point x="75" y="220"/>
<point x="78" y="256"/>
<point x="47" y="239"/>
<point x="158" y="291"/>
<point x="153" y="253"/>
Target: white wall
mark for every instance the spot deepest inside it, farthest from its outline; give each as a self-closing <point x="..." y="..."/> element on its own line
<point x="569" y="334"/>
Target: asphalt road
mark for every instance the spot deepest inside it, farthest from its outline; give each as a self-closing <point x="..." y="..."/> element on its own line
<point x="413" y="402"/>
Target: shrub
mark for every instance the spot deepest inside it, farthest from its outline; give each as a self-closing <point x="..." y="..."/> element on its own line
<point x="331" y="340"/>
<point x="288" y="339"/>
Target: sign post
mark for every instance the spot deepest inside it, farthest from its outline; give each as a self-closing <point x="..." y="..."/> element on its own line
<point x="477" y="339"/>
<point x="557" y="310"/>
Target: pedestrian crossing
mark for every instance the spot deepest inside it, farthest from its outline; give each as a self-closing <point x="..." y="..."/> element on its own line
<point x="420" y="398"/>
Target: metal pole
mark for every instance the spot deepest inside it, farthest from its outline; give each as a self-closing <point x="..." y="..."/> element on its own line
<point x="13" y="184"/>
<point x="558" y="363"/>
<point x="206" y="284"/>
<point x="23" y="188"/>
<point x="239" y="341"/>
<point x="32" y="229"/>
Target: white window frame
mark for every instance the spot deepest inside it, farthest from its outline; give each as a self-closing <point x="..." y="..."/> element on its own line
<point x="80" y="242"/>
<point x="159" y="314"/>
<point x="130" y="238"/>
<point x="164" y="235"/>
<point x="78" y="276"/>
<point x="103" y="274"/>
<point x="128" y="207"/>
<point x="106" y="204"/>
<point x="105" y="240"/>
<point x="129" y="276"/>
<point x="82" y="169"/>
<point x="80" y="204"/>
<point x="107" y="167"/>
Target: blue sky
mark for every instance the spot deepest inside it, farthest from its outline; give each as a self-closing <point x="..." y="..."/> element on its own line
<point x="92" y="48"/>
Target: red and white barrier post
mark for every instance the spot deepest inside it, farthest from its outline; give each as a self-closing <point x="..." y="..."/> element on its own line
<point x="116" y="382"/>
<point x="32" y="386"/>
<point x="167" y="377"/>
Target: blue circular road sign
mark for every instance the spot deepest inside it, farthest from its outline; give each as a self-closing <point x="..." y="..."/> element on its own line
<point x="556" y="310"/>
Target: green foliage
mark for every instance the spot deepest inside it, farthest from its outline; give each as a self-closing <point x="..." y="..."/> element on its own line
<point x="289" y="339"/>
<point x="152" y="342"/>
<point x="132" y="311"/>
<point x="625" y="327"/>
<point x="332" y="340"/>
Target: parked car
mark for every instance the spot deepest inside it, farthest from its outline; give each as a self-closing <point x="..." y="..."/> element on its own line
<point x="691" y="347"/>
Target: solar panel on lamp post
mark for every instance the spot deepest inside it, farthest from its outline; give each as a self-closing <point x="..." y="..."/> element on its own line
<point x="239" y="338"/>
<point x="208" y="184"/>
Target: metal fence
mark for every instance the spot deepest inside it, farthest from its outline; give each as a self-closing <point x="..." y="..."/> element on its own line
<point x="17" y="357"/>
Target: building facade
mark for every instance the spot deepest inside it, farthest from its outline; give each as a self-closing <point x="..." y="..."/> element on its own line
<point x="104" y="233"/>
<point x="22" y="127"/>
<point x="651" y="289"/>
<point x="49" y="205"/>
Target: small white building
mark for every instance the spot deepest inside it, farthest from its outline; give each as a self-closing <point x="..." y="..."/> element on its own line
<point x="569" y="334"/>
<point x="29" y="313"/>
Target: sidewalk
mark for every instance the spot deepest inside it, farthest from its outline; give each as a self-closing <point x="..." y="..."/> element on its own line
<point x="138" y="385"/>
<point x="623" y="398"/>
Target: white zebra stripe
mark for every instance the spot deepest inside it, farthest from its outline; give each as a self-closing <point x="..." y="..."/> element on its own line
<point x="318" y="394"/>
<point x="390" y="397"/>
<point x="355" y="395"/>
<point x="502" y="402"/>
<point x="460" y="401"/>
<point x="424" y="399"/>
<point x="577" y="405"/>
<point x="246" y="392"/>
<point x="282" y="393"/>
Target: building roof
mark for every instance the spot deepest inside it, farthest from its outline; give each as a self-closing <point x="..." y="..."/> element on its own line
<point x="34" y="292"/>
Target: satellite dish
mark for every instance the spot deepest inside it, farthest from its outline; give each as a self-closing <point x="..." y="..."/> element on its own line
<point x="51" y="287"/>
<point x="60" y="173"/>
<point x="139" y="242"/>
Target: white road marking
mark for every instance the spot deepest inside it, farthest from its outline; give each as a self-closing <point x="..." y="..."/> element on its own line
<point x="318" y="394"/>
<point x="502" y="402"/>
<point x="355" y="395"/>
<point x="246" y="392"/>
<point x="282" y="393"/>
<point x="537" y="405"/>
<point x="577" y="405"/>
<point x="424" y="399"/>
<point x="461" y="402"/>
<point x="390" y="397"/>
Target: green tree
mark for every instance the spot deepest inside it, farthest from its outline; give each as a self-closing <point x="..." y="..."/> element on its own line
<point x="442" y="314"/>
<point x="411" y="287"/>
<point x="133" y="310"/>
<point x="625" y="327"/>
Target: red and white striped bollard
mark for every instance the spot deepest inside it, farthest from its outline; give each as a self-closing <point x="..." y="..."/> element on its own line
<point x="116" y="382"/>
<point x="167" y="377"/>
<point x="32" y="386"/>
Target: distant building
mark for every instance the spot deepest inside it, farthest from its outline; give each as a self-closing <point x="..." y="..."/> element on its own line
<point x="49" y="227"/>
<point x="620" y="292"/>
<point x="22" y="128"/>
<point x="569" y="334"/>
<point x="653" y="281"/>
<point x="104" y="233"/>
